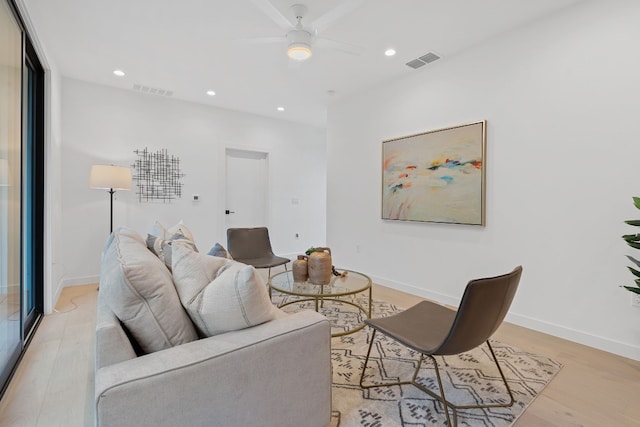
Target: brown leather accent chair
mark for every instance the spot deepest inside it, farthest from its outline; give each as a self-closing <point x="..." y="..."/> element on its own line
<point x="435" y="330"/>
<point x="252" y="246"/>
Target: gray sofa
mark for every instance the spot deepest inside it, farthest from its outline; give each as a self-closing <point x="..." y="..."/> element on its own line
<point x="277" y="373"/>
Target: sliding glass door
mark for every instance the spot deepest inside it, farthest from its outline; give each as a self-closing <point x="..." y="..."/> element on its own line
<point x="10" y="190"/>
<point x="21" y="190"/>
<point x="32" y="189"/>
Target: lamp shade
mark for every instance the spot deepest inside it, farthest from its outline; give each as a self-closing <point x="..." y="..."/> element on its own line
<point x="4" y="172"/>
<point x="110" y="177"/>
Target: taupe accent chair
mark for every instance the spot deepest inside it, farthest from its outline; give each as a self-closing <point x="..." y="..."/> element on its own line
<point x="252" y="246"/>
<point x="435" y="330"/>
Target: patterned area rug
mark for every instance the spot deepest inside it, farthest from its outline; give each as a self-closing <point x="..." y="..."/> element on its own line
<point x="469" y="378"/>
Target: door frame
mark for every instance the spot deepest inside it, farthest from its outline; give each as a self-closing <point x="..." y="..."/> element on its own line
<point x="223" y="200"/>
<point x="37" y="214"/>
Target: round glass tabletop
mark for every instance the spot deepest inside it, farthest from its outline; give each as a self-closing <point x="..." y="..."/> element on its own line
<point x="352" y="283"/>
<point x="346" y="315"/>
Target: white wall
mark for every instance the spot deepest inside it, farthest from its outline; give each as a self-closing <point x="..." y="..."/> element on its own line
<point x="561" y="98"/>
<point x="53" y="167"/>
<point x="105" y="125"/>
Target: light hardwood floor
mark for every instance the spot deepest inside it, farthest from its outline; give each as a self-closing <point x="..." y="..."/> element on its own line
<point x="53" y="385"/>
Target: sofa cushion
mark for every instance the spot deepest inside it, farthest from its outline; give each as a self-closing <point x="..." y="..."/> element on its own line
<point x="138" y="288"/>
<point x="219" y="294"/>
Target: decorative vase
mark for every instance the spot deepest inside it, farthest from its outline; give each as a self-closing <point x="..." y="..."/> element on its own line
<point x="300" y="272"/>
<point x="319" y="266"/>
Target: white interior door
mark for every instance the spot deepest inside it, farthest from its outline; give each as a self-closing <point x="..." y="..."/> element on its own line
<point x="246" y="188"/>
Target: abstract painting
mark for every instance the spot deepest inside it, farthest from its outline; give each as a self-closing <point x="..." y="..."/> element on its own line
<point x="436" y="176"/>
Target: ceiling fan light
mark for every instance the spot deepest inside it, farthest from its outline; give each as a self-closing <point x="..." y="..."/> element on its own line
<point x="299" y="51"/>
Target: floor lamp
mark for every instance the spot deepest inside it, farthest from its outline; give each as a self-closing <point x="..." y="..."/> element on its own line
<point x="112" y="178"/>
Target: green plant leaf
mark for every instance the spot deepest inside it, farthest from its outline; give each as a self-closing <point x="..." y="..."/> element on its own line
<point x="635" y="222"/>
<point x="633" y="260"/>
<point x="634" y="271"/>
<point x="634" y="245"/>
<point x="632" y="289"/>
<point x="631" y="237"/>
<point x="636" y="201"/>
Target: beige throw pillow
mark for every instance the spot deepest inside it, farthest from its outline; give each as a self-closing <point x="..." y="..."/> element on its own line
<point x="162" y="248"/>
<point x="138" y="288"/>
<point x="161" y="231"/>
<point x="181" y="228"/>
<point x="219" y="294"/>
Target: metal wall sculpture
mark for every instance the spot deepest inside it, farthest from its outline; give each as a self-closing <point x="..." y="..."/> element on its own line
<point x="158" y="176"/>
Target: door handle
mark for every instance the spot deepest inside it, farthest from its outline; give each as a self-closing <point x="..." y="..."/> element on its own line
<point x="227" y="212"/>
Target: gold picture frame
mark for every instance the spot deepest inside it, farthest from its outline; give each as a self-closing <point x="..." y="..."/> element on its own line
<point x="436" y="176"/>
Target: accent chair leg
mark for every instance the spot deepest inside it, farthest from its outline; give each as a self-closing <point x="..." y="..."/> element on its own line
<point x="364" y="368"/>
<point x="504" y="380"/>
<point x="439" y="397"/>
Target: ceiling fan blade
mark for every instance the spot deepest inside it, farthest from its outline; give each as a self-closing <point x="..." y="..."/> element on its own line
<point x="272" y="12"/>
<point x="341" y="46"/>
<point x="262" y="40"/>
<point x="334" y="14"/>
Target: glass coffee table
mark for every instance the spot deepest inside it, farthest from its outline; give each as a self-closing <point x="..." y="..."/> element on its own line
<point x="345" y="309"/>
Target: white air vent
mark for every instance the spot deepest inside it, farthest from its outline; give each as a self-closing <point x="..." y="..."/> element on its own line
<point x="152" y="90"/>
<point x="429" y="57"/>
<point x="423" y="60"/>
<point x="416" y="63"/>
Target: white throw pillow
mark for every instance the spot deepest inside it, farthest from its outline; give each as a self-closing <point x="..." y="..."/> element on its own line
<point x="161" y="231"/>
<point x="180" y="228"/>
<point x="138" y="288"/>
<point x="220" y="295"/>
<point x="158" y="230"/>
<point x="162" y="248"/>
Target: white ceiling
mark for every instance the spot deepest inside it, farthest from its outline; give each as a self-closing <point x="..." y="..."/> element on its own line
<point x="191" y="46"/>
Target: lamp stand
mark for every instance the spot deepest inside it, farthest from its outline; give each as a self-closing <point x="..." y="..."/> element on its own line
<point x="111" y="191"/>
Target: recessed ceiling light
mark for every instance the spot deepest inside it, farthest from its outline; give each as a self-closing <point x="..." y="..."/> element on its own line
<point x="211" y="93"/>
<point x="390" y="52"/>
<point x="118" y="73"/>
<point x="280" y="108"/>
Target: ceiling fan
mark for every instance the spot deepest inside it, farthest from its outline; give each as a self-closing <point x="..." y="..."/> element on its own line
<point x="300" y="37"/>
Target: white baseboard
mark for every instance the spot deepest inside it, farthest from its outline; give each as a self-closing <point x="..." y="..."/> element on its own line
<point x="55" y="297"/>
<point x="77" y="281"/>
<point x="291" y="256"/>
<point x="67" y="282"/>
<point x="424" y="293"/>
<point x="602" y="343"/>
